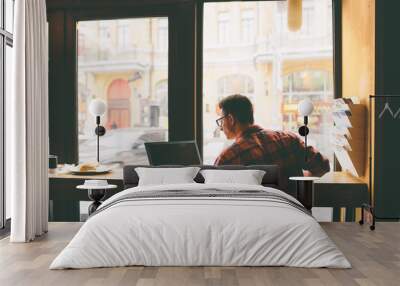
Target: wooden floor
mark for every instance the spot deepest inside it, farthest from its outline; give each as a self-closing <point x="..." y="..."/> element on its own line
<point x="375" y="257"/>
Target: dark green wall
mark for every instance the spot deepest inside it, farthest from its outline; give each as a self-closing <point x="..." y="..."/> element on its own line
<point x="387" y="130"/>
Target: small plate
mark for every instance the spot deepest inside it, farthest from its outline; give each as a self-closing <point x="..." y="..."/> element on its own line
<point x="99" y="171"/>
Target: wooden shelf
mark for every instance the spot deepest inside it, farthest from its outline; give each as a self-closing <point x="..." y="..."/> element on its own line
<point x="339" y="178"/>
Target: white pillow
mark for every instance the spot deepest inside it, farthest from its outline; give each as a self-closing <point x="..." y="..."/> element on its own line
<point x="163" y="176"/>
<point x="248" y="177"/>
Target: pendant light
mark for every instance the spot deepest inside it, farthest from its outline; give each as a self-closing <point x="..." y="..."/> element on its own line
<point x="295" y="15"/>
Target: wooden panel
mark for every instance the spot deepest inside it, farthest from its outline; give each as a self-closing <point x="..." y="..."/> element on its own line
<point x="358" y="36"/>
<point x="358" y="58"/>
<point x="358" y="116"/>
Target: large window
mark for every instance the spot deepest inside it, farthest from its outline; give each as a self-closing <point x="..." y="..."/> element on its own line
<point x="279" y="70"/>
<point x="6" y="60"/>
<point x="121" y="64"/>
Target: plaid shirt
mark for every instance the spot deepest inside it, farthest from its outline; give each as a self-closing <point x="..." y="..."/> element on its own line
<point x="257" y="146"/>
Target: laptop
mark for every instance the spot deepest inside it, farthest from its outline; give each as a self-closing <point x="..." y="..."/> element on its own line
<point x="173" y="153"/>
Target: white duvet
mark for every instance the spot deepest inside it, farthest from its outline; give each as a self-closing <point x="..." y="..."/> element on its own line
<point x="193" y="231"/>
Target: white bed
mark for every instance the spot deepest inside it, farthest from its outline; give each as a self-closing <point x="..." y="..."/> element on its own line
<point x="202" y="231"/>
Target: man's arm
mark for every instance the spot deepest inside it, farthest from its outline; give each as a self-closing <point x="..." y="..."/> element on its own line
<point x="225" y="160"/>
<point x="227" y="157"/>
<point x="219" y="161"/>
<point x="317" y="164"/>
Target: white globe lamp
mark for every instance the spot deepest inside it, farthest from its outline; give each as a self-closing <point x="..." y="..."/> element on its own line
<point x="305" y="107"/>
<point x="97" y="107"/>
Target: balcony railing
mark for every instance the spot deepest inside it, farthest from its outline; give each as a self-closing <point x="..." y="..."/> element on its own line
<point x="90" y="55"/>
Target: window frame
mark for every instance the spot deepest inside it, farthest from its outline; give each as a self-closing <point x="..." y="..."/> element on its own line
<point x="186" y="121"/>
<point x="337" y="62"/>
<point x="63" y="104"/>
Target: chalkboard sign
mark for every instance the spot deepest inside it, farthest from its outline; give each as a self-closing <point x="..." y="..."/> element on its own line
<point x="386" y="118"/>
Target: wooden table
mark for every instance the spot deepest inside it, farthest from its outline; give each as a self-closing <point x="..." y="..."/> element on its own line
<point x="64" y="198"/>
<point x="341" y="190"/>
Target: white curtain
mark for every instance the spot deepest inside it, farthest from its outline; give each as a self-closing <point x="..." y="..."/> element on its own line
<point x="27" y="123"/>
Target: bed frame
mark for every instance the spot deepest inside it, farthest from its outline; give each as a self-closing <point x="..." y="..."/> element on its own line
<point x="271" y="178"/>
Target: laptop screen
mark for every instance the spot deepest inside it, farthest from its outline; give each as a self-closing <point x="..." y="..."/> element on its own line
<point x="173" y="153"/>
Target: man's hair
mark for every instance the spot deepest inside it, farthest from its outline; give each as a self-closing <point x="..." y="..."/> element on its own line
<point x="239" y="106"/>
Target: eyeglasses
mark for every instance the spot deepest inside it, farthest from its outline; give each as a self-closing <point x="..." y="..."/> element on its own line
<point x="219" y="121"/>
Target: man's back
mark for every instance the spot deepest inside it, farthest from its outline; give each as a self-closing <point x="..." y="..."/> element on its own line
<point x="259" y="146"/>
